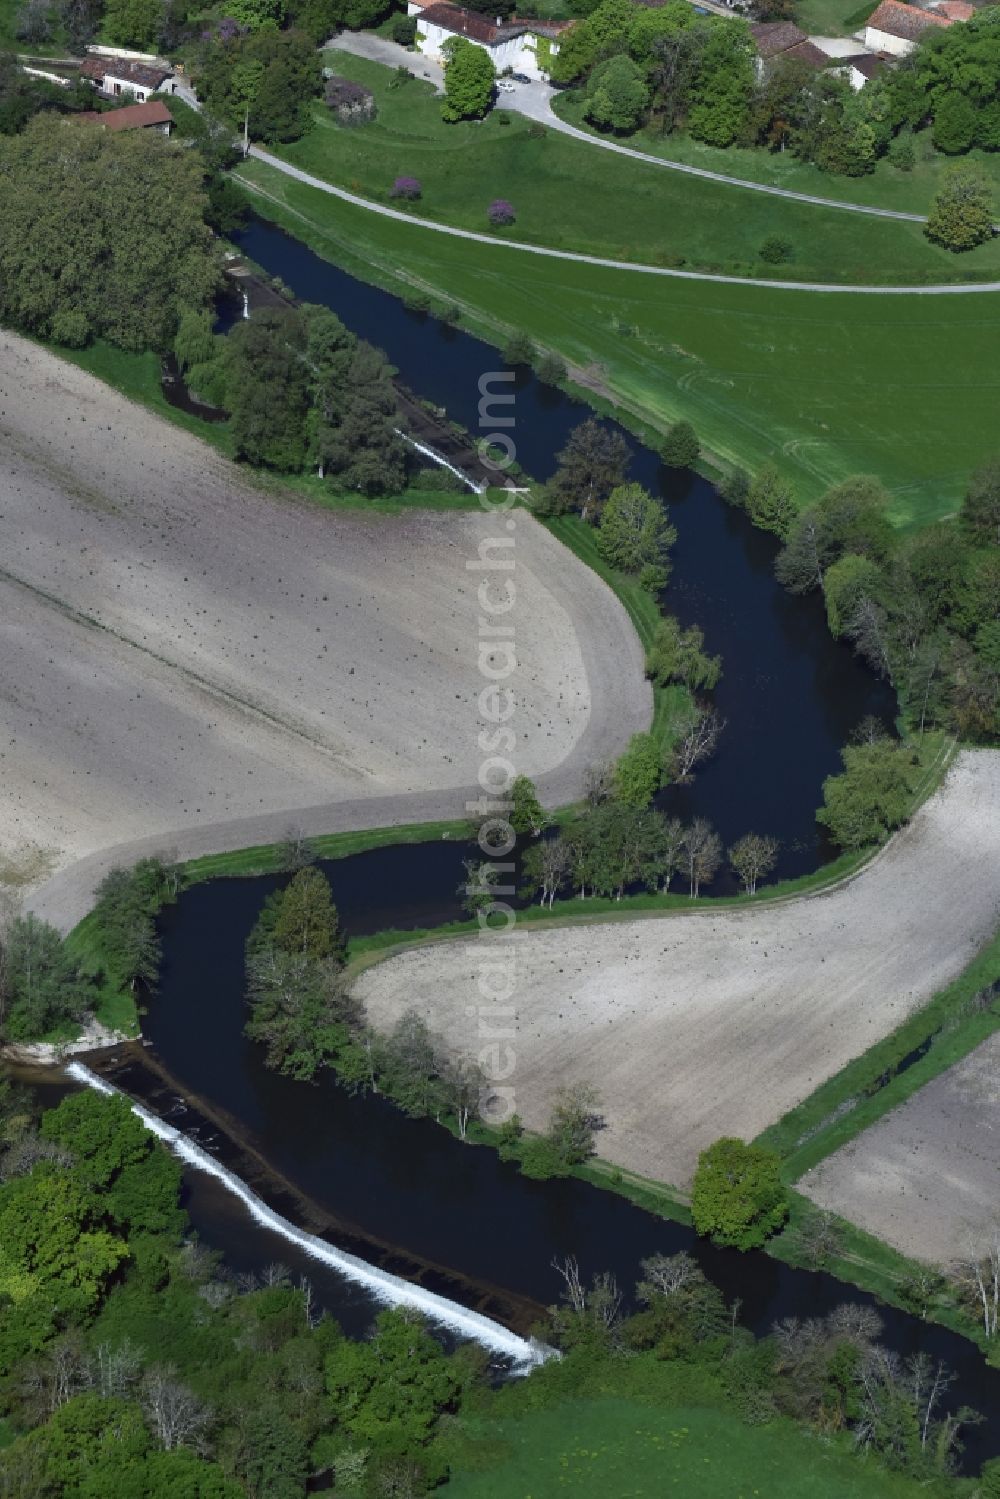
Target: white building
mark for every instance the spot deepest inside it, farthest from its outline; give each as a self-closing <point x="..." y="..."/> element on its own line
<point x="114" y="76"/>
<point x="896" y="28"/>
<point x="523" y="46"/>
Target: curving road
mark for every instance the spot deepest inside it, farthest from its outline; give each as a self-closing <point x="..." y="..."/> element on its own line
<point x="535" y="101"/>
<point x="948" y="289"/>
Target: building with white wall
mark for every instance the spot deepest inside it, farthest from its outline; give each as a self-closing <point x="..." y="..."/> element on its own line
<point x="523" y="46"/>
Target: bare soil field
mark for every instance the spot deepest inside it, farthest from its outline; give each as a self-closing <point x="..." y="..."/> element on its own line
<point x="188" y="660"/>
<point x="929" y="1172"/>
<point x="698" y="1025"/>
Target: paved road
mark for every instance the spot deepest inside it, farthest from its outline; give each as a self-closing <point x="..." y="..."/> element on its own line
<point x="390" y="54"/>
<point x="961" y="289"/>
<point x="535" y="101"/>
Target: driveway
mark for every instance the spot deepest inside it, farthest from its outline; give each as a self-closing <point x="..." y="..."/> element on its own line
<point x="390" y="54"/>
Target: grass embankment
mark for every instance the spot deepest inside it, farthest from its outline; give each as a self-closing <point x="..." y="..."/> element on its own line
<point x="116" y="1006"/>
<point x="822" y="385"/>
<point x="631" y="210"/>
<point x="946" y="1030"/>
<point x="886" y="187"/>
<point x="614" y="1446"/>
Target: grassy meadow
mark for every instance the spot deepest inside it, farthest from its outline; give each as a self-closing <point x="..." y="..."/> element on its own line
<point x="823" y="385"/>
<point x="622" y="1447"/>
<point x="886" y="187"/>
<point x="630" y="210"/>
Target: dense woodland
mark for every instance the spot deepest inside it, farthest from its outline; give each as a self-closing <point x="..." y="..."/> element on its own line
<point x="133" y="1363"/>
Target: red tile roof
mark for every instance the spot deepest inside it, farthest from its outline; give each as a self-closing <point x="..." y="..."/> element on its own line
<point x="773" y="37"/>
<point x="956" y="10"/>
<point x="131" y="117"/>
<point x="141" y="74"/>
<point x="809" y="53"/>
<point x="479" y="28"/>
<point x="905" y="21"/>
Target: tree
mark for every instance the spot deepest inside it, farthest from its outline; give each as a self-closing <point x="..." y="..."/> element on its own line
<point x="391" y="1391"/>
<point x="551" y="369"/>
<point x="469" y="79"/>
<point x="694" y="733"/>
<point x="527" y="814"/>
<point x="546" y="865"/>
<point x="639" y="771"/>
<point x="519" y="350"/>
<point x="635" y="533"/>
<point x="590" y="466"/>
<point x="617" y="95"/>
<point x="134" y="23"/>
<point x="846" y="585"/>
<point x="722" y="91"/>
<point x="42" y="985"/>
<point x="752" y="859"/>
<point x="980" y="514"/>
<point x="299" y="1011"/>
<point x="738" y="1198"/>
<point x="268" y="389"/>
<point x="305" y="917"/>
<point x="176" y="1416"/>
<point x="769" y="502"/>
<point x="680" y="447"/>
<point x="575" y="1116"/>
<point x="140" y="256"/>
<point x="678" y="655"/>
<point x="261" y="81"/>
<point x="977" y="1273"/>
<point x="961" y="215"/>
<point x="849" y="519"/>
<point x="871" y="797"/>
<point x="702" y="854"/>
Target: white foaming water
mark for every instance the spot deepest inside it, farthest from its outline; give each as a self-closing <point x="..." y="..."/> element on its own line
<point x="391" y="1290"/>
<point x="441" y="462"/>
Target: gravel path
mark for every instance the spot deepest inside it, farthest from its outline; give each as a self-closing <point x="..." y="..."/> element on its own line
<point x="705" y="1024"/>
<point x="929" y="1172"/>
<point x="192" y="662"/>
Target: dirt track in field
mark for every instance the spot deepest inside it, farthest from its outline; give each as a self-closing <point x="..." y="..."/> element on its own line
<point x="928" y="1173"/>
<point x="698" y="1025"/>
<point x="189" y="661"/>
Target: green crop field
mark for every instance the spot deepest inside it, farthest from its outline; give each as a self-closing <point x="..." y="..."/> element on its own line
<point x="629" y="210"/>
<point x="823" y="385"/>
<point x="601" y="1448"/>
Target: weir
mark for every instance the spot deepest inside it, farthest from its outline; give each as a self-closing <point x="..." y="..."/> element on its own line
<point x="389" y="1289"/>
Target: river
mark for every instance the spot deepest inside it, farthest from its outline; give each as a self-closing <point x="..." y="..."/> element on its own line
<point x="790" y="694"/>
<point x="791" y="697"/>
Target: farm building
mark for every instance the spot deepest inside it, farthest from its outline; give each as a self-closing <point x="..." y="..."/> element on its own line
<point x="153" y="115"/>
<point x="114" y="76"/>
<point x="896" y="28"/>
<point x="511" y="44"/>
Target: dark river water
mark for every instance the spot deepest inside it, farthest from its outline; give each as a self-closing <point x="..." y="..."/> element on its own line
<point x="790" y="694"/>
<point x="791" y="697"/>
<point x="409" y="1182"/>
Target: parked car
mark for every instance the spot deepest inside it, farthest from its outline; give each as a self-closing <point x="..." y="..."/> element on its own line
<point x="520" y="77"/>
<point x="505" y="86"/>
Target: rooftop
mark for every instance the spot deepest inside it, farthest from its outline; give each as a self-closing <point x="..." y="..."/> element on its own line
<point x="131" y="117"/>
<point x="773" y="37"/>
<point x="143" y="74"/>
<point x="479" y="28"/>
<point x="905" y="21"/>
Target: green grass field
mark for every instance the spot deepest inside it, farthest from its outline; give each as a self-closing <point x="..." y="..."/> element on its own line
<point x="886" y="187"/>
<point x="629" y="211"/>
<point x="621" y="1449"/>
<point x="823" y="385"/>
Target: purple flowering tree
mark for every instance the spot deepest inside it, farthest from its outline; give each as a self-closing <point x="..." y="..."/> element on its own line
<point x="408" y="188"/>
<point x="501" y="212"/>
